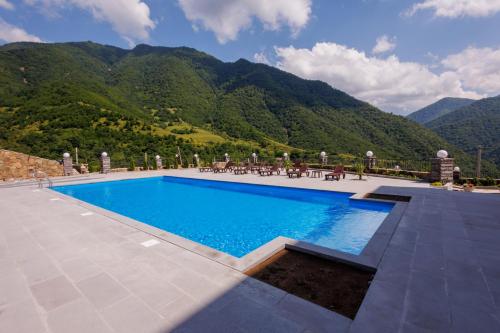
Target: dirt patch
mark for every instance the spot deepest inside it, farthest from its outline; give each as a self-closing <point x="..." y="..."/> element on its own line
<point x="333" y="285"/>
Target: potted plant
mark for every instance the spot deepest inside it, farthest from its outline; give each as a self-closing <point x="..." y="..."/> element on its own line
<point x="359" y="169"/>
<point x="468" y="187"/>
<point x="288" y="164"/>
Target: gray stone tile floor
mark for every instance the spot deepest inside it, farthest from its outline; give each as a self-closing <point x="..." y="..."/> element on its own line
<point x="61" y="271"/>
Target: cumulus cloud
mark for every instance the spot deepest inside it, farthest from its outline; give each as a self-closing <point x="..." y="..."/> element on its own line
<point x="390" y="84"/>
<point x="457" y="8"/>
<point x="6" y="4"/>
<point x="384" y="44"/>
<point x="10" y="33"/>
<point x="477" y="68"/>
<point x="226" y="18"/>
<point x="129" y="18"/>
<point x="261" y="58"/>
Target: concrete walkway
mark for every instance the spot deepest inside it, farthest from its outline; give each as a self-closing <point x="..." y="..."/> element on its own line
<point x="66" y="269"/>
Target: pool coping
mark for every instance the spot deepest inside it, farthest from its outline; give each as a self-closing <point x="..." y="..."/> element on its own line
<point x="368" y="259"/>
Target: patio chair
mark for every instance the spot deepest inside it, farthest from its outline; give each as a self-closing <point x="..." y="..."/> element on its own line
<point x="269" y="171"/>
<point x="219" y="167"/>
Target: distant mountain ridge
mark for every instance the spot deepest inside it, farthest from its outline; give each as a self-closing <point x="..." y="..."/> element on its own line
<point x="439" y="109"/>
<point x="55" y="97"/>
<point x="477" y="124"/>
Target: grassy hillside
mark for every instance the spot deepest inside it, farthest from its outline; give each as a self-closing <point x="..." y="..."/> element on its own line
<point x="473" y="125"/>
<point x="438" y="109"/>
<point x="55" y="97"/>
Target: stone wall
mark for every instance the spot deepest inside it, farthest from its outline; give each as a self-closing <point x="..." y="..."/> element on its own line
<point x="17" y="165"/>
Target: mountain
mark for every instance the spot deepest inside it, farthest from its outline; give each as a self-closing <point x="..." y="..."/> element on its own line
<point x="438" y="109"/>
<point x="471" y="126"/>
<point x="55" y="97"/>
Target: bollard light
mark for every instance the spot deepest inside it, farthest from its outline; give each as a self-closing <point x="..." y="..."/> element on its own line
<point x="442" y="154"/>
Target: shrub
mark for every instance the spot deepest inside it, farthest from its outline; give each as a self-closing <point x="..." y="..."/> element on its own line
<point x="131" y="166"/>
<point x="436" y="184"/>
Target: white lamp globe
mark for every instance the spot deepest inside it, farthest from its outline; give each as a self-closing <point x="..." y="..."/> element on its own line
<point x="442" y="154"/>
<point x="176" y="155"/>
<point x="226" y="154"/>
<point x="195" y="155"/>
<point x="66" y="155"/>
<point x="369" y="154"/>
<point x="322" y="154"/>
<point x="397" y="167"/>
<point x="104" y="154"/>
<point x="254" y="155"/>
<point x="157" y="157"/>
<point x="285" y="154"/>
<point x="456" y="169"/>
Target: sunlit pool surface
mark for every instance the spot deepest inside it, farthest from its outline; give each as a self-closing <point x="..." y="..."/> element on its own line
<point x="237" y="218"/>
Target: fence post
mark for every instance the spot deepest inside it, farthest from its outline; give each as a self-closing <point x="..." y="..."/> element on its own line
<point x="478" y="161"/>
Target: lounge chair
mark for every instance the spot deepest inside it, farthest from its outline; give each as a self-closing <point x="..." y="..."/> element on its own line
<point x="298" y="171"/>
<point x="219" y="167"/>
<point x="270" y="171"/>
<point x="336" y="174"/>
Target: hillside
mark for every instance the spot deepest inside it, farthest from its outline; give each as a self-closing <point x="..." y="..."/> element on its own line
<point x="438" y="109"/>
<point x="55" y="97"/>
<point x="473" y="125"/>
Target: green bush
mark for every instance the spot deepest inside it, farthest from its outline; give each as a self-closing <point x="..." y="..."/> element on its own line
<point x="131" y="165"/>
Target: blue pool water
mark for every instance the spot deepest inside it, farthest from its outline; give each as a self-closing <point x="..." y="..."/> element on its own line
<point x="237" y="218"/>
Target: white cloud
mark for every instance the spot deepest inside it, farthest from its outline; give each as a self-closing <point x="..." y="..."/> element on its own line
<point x="477" y="68"/>
<point x="129" y="18"/>
<point x="384" y="44"/>
<point x="457" y="8"/>
<point x="261" y="58"/>
<point x="226" y="18"/>
<point x="390" y="84"/>
<point x="10" y="33"/>
<point x="6" y="5"/>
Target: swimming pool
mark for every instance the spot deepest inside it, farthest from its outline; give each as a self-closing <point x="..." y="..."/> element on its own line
<point x="237" y="218"/>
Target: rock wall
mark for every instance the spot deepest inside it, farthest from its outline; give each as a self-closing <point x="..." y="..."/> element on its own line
<point x="17" y="165"/>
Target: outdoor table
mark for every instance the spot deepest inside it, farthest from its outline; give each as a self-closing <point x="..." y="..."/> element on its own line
<point x="316" y="173"/>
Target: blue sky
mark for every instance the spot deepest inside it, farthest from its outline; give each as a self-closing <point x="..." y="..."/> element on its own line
<point x="426" y="50"/>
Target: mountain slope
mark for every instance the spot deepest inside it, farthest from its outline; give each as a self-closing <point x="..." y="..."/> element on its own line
<point x="438" y="109"/>
<point x="55" y="97"/>
<point x="473" y="125"/>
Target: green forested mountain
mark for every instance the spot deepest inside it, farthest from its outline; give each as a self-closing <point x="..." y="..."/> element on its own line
<point x="54" y="97"/>
<point x="438" y="109"/>
<point x="471" y="126"/>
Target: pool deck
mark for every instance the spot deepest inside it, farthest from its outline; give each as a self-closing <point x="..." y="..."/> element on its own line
<point x="66" y="268"/>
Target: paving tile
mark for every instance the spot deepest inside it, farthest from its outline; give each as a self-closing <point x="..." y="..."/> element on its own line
<point x="39" y="267"/>
<point x="76" y="317"/>
<point x="53" y="293"/>
<point x="20" y="317"/>
<point x="80" y="268"/>
<point x="425" y="312"/>
<point x="311" y="316"/>
<point x="131" y="315"/>
<point x="13" y="288"/>
<point x="470" y="320"/>
<point x="102" y="290"/>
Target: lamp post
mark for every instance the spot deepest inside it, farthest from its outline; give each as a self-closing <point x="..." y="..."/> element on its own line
<point x="197" y="160"/>
<point x="105" y="163"/>
<point x="67" y="164"/>
<point x="323" y="157"/>
<point x="159" y="164"/>
<point x="285" y="156"/>
<point x="226" y="157"/>
<point x="254" y="158"/>
<point x="370" y="160"/>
